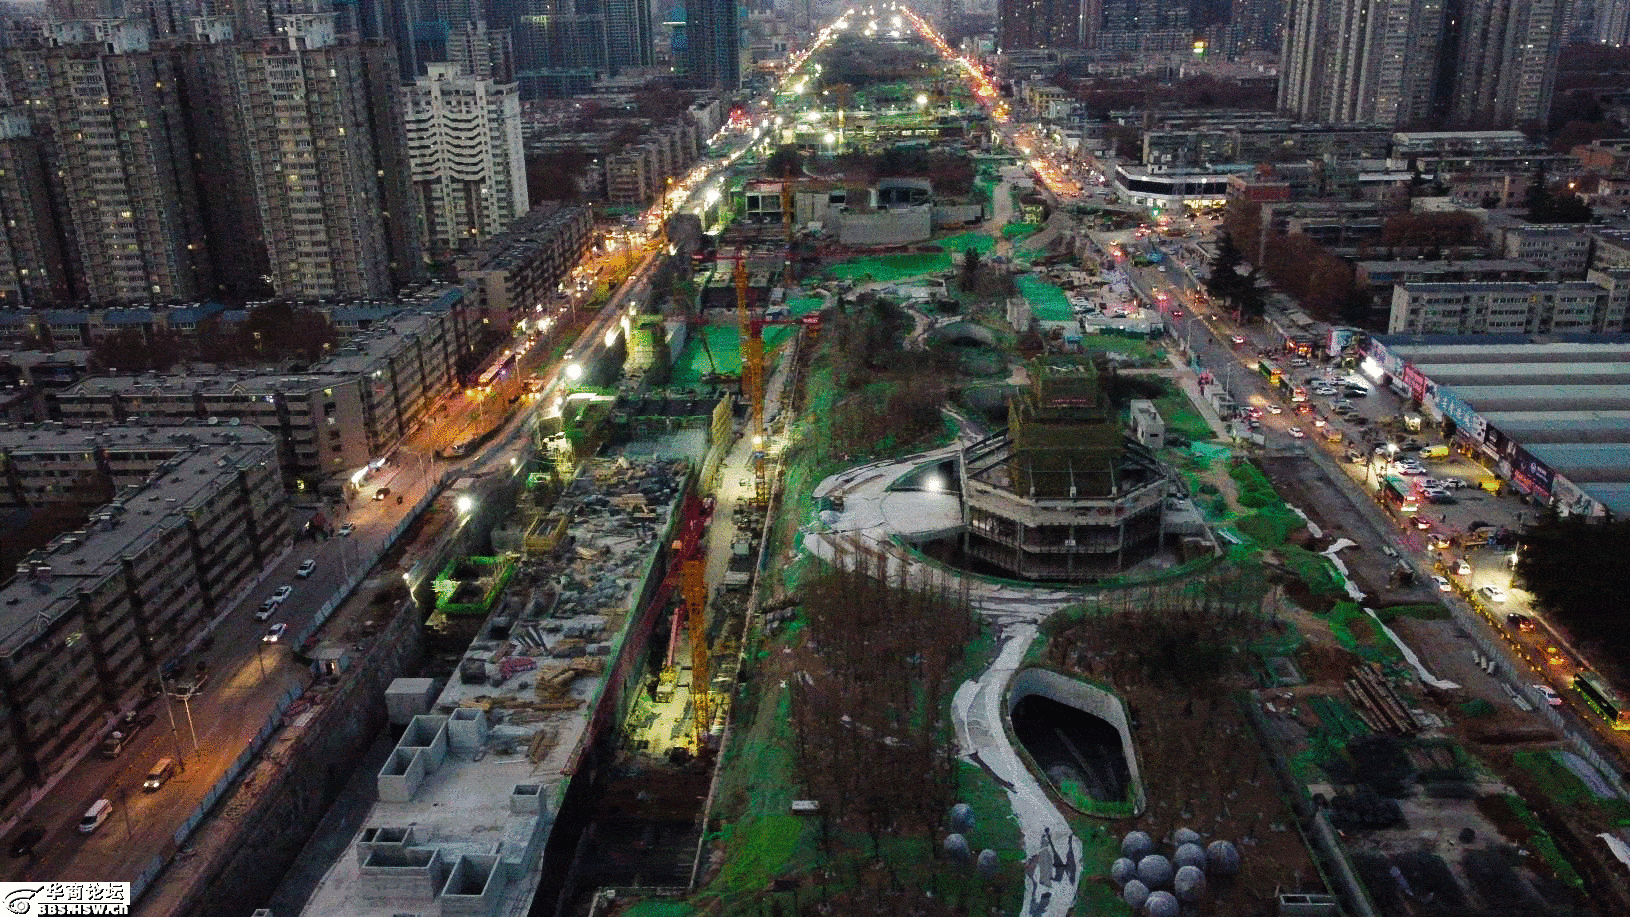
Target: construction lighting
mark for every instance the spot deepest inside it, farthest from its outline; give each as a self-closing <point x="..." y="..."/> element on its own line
<point x="574" y="372"/>
<point x="464" y="504"/>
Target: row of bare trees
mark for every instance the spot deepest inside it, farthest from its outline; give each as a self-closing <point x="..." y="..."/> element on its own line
<point x="873" y="741"/>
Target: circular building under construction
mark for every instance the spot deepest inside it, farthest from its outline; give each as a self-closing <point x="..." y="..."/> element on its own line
<point x="1065" y="493"/>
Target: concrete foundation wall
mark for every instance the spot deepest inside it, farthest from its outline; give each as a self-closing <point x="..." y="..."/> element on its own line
<point x="1085" y="697"/>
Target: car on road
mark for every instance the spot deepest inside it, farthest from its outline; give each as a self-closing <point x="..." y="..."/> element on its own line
<point x="1296" y="432"/>
<point x="1275" y="409"/>
<point x="382" y="493"/>
<point x="306" y="569"/>
<point x="275" y="632"/>
<point x="346" y="529"/>
<point x="267" y="609"/>
<point x="1521" y="622"/>
<point x="282" y="592"/>
<point x="1442" y="584"/>
<point x="1237" y="340"/>
<point x="1320" y="422"/>
<point x="23" y="844"/>
<point x="1549" y="693"/>
<point x="1493" y="593"/>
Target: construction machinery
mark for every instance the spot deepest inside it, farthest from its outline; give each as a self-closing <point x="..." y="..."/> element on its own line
<point x="687" y="569"/>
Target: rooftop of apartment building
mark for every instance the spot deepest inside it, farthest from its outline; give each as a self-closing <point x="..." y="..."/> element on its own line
<point x="518" y="709"/>
<point x="235" y="381"/>
<point x="364" y="350"/>
<point x="49" y="580"/>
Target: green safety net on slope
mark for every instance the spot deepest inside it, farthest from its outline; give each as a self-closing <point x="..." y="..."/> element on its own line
<point x="723" y="342"/>
<point x="891" y="268"/>
<point x="803" y="305"/>
<point x="1047" y="302"/>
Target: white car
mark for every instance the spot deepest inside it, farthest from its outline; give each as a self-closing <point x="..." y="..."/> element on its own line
<point x="1493" y="593"/>
<point x="306" y="569"/>
<point x="347" y="529"/>
<point x="1296" y="432"/>
<point x="275" y="632"/>
<point x="267" y="609"/>
<point x="1442" y="584"/>
<point x="1549" y="693"/>
<point x="282" y="593"/>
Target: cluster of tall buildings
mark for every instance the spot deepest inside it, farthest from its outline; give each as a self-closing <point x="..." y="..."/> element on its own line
<point x="290" y="163"/>
<point x="1465" y="63"/>
<point x="175" y="150"/>
<point x="1406" y="63"/>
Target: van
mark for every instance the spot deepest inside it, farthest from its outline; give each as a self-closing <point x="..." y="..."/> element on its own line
<point x="95" y="815"/>
<point x="1435" y="452"/>
<point x="159" y="774"/>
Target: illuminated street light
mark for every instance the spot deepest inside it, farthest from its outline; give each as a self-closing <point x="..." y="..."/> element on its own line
<point x="574" y="372"/>
<point x="464" y="504"/>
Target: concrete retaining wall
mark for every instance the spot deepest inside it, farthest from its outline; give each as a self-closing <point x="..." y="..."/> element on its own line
<point x="262" y="826"/>
<point x="1087" y="698"/>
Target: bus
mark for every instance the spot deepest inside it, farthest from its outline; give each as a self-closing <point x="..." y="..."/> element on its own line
<point x="1296" y="393"/>
<point x="500" y="369"/>
<point x="1600" y="698"/>
<point x="1399" y="494"/>
<point x="1270" y="372"/>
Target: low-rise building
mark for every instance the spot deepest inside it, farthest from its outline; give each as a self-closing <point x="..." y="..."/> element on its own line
<point x="195" y="514"/>
<point x="348" y="410"/>
<point x="1506" y="308"/>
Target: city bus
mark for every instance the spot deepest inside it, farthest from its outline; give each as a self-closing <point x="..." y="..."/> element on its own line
<point x="1399" y="494"/>
<point x="1270" y="372"/>
<point x="1296" y="393"/>
<point x="1602" y="699"/>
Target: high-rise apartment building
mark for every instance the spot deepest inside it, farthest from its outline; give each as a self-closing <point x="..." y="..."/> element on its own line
<point x="106" y="108"/>
<point x="630" y="35"/>
<point x="31" y="267"/>
<point x="1505" y="67"/>
<point x="1256" y="26"/>
<point x="486" y="54"/>
<point x="1476" y="64"/>
<point x="1044" y="23"/>
<point x="464" y="147"/>
<point x="318" y="138"/>
<point x="713" y="44"/>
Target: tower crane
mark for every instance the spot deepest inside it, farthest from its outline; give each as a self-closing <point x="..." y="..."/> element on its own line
<point x="687" y="568"/>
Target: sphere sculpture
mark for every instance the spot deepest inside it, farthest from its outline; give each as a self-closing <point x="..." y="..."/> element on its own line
<point x="1189" y="855"/>
<point x="1137" y="845"/>
<point x="987" y="864"/>
<point x="1135" y="894"/>
<point x="1156" y="871"/>
<point x="1190" y="884"/>
<point x="1162" y="904"/>
<point x="1185" y="836"/>
<point x="1222" y="858"/>
<point x="956" y="846"/>
<point x="1122" y="869"/>
<point x="962" y="818"/>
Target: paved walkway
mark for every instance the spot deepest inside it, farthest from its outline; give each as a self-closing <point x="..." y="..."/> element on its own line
<point x="872" y="520"/>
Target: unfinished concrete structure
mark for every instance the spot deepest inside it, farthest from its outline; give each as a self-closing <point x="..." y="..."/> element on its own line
<point x="1063" y="494"/>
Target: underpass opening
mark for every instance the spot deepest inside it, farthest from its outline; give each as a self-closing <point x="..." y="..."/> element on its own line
<point x="1078" y="740"/>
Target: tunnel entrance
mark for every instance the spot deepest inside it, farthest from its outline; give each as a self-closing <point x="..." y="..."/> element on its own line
<point x="1076" y="751"/>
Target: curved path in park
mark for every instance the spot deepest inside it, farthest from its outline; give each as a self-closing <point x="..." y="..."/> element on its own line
<point x="869" y="529"/>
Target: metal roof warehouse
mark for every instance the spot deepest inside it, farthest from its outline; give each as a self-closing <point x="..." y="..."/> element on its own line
<point x="1548" y="413"/>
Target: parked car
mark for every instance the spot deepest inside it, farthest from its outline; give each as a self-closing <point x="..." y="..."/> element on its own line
<point x="282" y="592"/>
<point x="1549" y="693"/>
<point x="346" y="529"/>
<point x="275" y="632"/>
<point x="306" y="569"/>
<point x="267" y="609"/>
<point x="1443" y="584"/>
